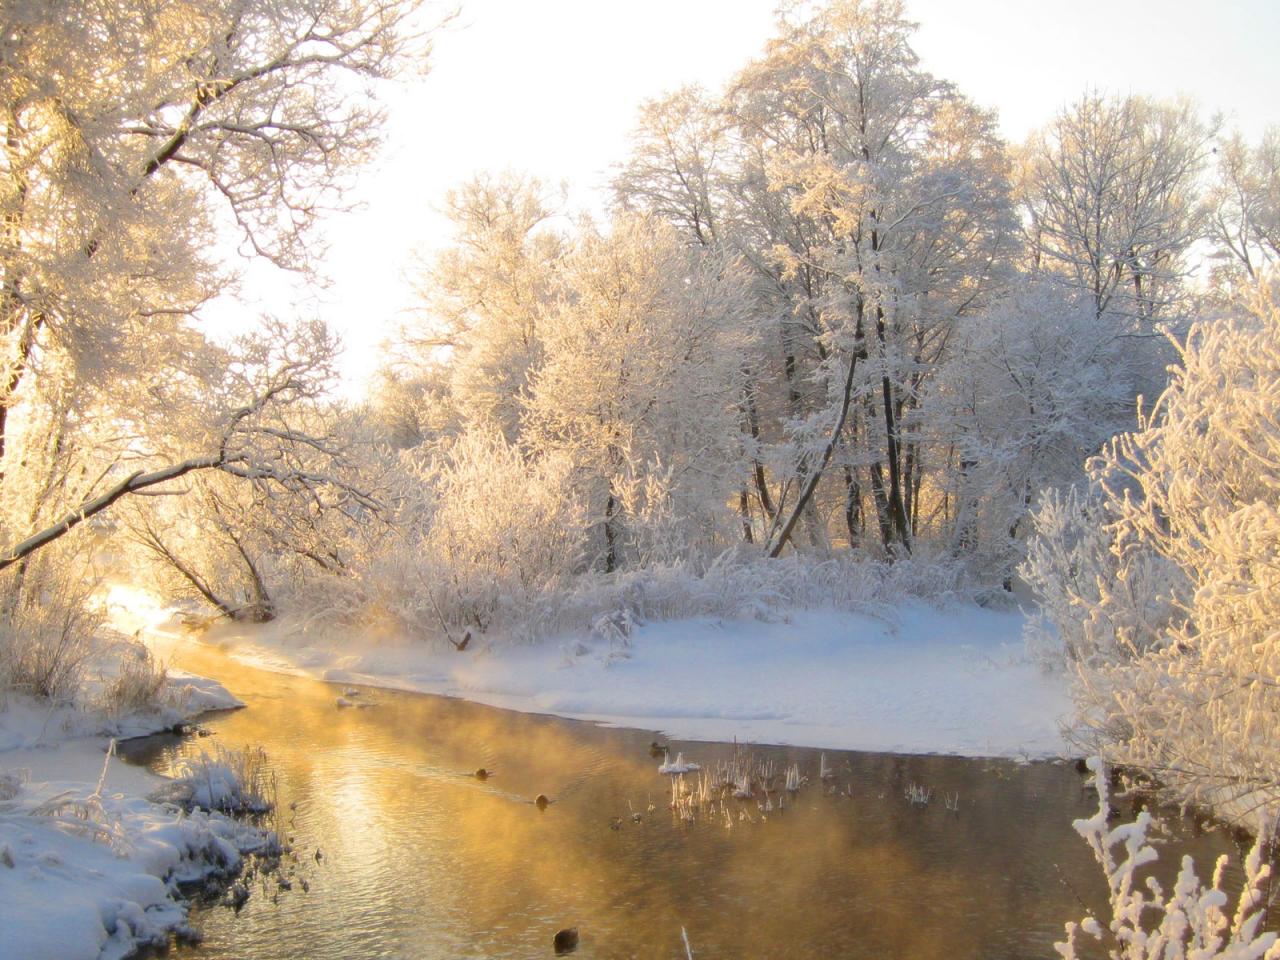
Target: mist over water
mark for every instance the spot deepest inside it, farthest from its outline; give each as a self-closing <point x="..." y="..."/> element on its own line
<point x="419" y="858"/>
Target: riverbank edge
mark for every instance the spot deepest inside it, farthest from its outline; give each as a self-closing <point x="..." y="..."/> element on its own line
<point x="90" y="866"/>
<point x="822" y="679"/>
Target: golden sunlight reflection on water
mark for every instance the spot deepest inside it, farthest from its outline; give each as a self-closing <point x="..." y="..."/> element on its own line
<point x="419" y="858"/>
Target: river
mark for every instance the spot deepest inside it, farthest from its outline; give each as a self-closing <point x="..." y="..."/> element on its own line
<point x="419" y="858"/>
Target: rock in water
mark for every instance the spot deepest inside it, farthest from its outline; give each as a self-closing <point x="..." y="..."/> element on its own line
<point x="237" y="896"/>
<point x="541" y="801"/>
<point x="566" y="941"/>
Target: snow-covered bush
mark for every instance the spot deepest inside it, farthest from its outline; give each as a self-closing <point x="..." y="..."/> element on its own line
<point x="47" y="641"/>
<point x="1193" y="922"/>
<point x="139" y="682"/>
<point x="1096" y="604"/>
<point x="1196" y="491"/>
<point x="608" y="606"/>
<point x="485" y="536"/>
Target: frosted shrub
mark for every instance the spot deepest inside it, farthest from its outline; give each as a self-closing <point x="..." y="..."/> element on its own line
<point x="503" y="531"/>
<point x="228" y="780"/>
<point x="659" y="531"/>
<point x="1195" y="491"/>
<point x="44" y="648"/>
<point x="1097" y="604"/>
<point x="1192" y="922"/>
<point x="139" y="681"/>
<point x="612" y="605"/>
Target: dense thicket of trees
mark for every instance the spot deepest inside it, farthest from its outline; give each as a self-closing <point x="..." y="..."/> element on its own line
<point x="829" y="314"/>
<point x="833" y="313"/>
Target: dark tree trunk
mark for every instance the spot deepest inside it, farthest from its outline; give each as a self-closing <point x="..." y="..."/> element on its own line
<point x="610" y="534"/>
<point x="852" y="506"/>
<point x="899" y="532"/>
<point x="744" y="508"/>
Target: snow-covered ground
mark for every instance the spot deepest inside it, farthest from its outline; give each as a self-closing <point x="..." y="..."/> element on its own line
<point x="953" y="680"/>
<point x="88" y="867"/>
<point x="88" y="875"/>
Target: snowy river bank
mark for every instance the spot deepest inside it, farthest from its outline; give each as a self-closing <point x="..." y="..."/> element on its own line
<point x="88" y="866"/>
<point x="917" y="679"/>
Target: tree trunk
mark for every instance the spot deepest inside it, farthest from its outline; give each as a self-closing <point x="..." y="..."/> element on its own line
<point x="893" y="454"/>
<point x="757" y="468"/>
<point x="806" y="492"/>
<point x="852" y="507"/>
<point x="610" y="534"/>
<point x="883" y="519"/>
<point x="744" y="508"/>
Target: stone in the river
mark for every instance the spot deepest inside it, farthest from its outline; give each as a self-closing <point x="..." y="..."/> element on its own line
<point x="566" y="941"/>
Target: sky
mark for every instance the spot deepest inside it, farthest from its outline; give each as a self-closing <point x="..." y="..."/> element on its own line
<point x="552" y="88"/>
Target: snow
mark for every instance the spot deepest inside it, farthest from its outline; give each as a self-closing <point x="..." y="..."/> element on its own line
<point x="678" y="765"/>
<point x="88" y="868"/>
<point x="86" y="885"/>
<point x="917" y="679"/>
<point x="29" y="724"/>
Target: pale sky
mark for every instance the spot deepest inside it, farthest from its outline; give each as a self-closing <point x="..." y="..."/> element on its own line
<point x="551" y="87"/>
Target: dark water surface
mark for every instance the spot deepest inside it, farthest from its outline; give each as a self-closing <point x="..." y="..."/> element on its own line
<point x="422" y="859"/>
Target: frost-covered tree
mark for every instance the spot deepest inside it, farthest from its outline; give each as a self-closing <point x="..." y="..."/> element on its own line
<point x="875" y="201"/>
<point x="484" y="298"/>
<point x="1193" y="491"/>
<point x="135" y="131"/>
<point x="1243" y="205"/>
<point x="674" y="170"/>
<point x="1030" y="387"/>
<point x="249" y="422"/>
<point x="1111" y="200"/>
<point x="137" y="138"/>
<point x="297" y="513"/>
<point x="641" y="386"/>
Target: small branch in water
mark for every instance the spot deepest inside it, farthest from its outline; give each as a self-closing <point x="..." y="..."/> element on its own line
<point x="688" y="950"/>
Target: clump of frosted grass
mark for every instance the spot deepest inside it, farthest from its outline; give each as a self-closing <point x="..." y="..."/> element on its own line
<point x="45" y="649"/>
<point x="1192" y="922"/>
<point x="229" y="781"/>
<point x="793" y="778"/>
<point x="918" y="795"/>
<point x="139" y="682"/>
